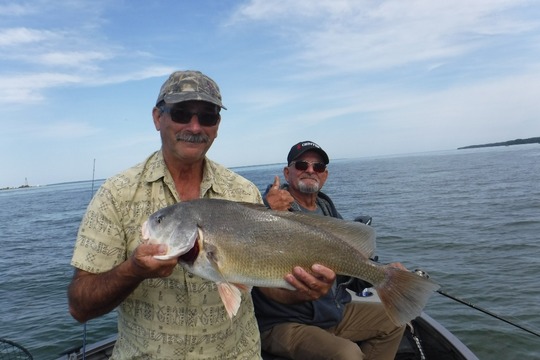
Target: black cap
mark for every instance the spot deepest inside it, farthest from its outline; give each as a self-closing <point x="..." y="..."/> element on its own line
<point x="302" y="147"/>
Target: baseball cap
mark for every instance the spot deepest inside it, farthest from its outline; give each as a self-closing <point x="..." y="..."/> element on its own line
<point x="302" y="147"/>
<point x="189" y="85"/>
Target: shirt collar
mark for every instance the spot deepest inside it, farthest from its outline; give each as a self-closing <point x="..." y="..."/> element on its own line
<point x="156" y="170"/>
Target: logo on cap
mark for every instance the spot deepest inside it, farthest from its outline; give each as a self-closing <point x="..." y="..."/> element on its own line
<point x="302" y="147"/>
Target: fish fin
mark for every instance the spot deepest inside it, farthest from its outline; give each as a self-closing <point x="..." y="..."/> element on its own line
<point x="229" y="293"/>
<point x="230" y="296"/>
<point x="404" y="294"/>
<point x="360" y="236"/>
<point x="254" y="206"/>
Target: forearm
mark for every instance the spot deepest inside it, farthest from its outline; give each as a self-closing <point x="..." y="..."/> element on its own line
<point x="92" y="295"/>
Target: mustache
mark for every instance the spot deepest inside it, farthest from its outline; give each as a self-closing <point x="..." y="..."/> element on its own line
<point x="192" y="138"/>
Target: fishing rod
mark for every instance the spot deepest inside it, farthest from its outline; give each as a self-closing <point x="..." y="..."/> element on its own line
<point x="93" y="177"/>
<point x="84" y="325"/>
<point x="496" y="316"/>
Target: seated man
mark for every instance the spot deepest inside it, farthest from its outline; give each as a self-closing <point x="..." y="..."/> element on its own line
<point x="329" y="326"/>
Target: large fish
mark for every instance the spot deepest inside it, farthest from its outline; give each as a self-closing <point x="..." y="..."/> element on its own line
<point x="239" y="245"/>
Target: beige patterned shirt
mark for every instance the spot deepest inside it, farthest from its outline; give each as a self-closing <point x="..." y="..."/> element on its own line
<point x="181" y="316"/>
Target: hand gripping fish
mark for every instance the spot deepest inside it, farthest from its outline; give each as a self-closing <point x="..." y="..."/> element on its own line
<point x="240" y="245"/>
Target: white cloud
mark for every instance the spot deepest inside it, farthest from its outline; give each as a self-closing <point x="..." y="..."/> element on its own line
<point x="141" y="73"/>
<point x="335" y="37"/>
<point x="23" y="36"/>
<point x="27" y="88"/>
<point x="15" y="9"/>
<point x="55" y="130"/>
<point x="71" y="58"/>
<point x="65" y="130"/>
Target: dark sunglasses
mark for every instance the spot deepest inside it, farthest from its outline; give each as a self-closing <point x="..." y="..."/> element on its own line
<point x="303" y="166"/>
<point x="182" y="116"/>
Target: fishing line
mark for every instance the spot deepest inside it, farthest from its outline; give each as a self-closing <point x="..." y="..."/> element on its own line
<point x="84" y="342"/>
<point x="496" y="316"/>
<point x="499" y="317"/>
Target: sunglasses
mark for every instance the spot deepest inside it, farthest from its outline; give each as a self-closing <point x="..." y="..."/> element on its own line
<point x="182" y="116"/>
<point x="303" y="166"/>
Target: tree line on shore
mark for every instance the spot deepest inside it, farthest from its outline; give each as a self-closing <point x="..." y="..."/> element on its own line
<point x="533" y="140"/>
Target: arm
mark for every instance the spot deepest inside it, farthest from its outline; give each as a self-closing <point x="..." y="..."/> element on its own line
<point x="309" y="286"/>
<point x="92" y="295"/>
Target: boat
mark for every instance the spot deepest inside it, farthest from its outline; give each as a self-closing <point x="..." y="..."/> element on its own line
<point x="424" y="339"/>
<point x="428" y="340"/>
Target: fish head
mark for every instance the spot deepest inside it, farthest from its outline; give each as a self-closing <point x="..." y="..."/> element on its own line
<point x="174" y="227"/>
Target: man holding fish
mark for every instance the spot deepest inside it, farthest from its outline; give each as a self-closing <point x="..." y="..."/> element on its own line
<point x="328" y="327"/>
<point x="165" y="311"/>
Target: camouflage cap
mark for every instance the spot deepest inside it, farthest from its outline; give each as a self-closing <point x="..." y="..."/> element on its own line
<point x="189" y="85"/>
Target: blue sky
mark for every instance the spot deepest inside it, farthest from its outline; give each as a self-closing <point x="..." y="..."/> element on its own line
<point x="361" y="78"/>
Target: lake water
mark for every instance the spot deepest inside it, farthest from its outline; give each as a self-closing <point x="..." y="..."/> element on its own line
<point x="470" y="218"/>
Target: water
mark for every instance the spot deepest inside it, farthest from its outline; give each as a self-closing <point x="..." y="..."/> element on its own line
<point x="470" y="218"/>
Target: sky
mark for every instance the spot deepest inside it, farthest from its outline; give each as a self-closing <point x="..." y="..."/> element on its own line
<point x="362" y="78"/>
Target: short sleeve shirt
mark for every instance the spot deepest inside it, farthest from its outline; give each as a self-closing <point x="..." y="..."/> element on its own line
<point x="181" y="316"/>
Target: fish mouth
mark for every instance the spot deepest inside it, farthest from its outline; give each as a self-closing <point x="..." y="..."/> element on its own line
<point x="144" y="231"/>
<point x="192" y="254"/>
<point x="190" y="250"/>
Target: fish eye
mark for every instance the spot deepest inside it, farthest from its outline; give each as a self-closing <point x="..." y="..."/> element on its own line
<point x="159" y="218"/>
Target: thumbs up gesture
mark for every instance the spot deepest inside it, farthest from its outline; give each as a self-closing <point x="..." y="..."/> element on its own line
<point x="277" y="198"/>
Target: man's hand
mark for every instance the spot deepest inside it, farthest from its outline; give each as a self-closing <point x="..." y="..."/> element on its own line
<point x="146" y="266"/>
<point x="308" y="286"/>
<point x="311" y="285"/>
<point x="278" y="199"/>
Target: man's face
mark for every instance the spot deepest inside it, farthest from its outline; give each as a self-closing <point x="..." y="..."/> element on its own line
<point x="306" y="181"/>
<point x="187" y="129"/>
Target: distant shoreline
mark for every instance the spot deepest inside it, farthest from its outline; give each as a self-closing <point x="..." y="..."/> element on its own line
<point x="533" y="140"/>
<point x="15" y="187"/>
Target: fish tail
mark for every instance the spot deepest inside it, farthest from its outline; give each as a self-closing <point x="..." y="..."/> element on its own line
<point x="404" y="294"/>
